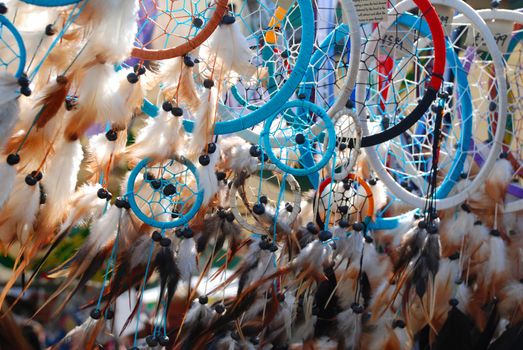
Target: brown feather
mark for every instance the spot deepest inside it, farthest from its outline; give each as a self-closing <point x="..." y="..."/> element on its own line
<point x="52" y="101"/>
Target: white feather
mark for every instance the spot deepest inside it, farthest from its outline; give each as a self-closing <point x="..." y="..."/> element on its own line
<point x="236" y="154"/>
<point x="229" y="50"/>
<point x="501" y="172"/>
<point x="19" y="212"/>
<point x="456" y="227"/>
<point x="104" y="228"/>
<point x="84" y="204"/>
<point x="9" y="106"/>
<point x="159" y="139"/>
<point x="208" y="179"/>
<point x="197" y="313"/>
<point x="114" y="28"/>
<point x="204" y="122"/>
<point x="7" y="179"/>
<point x="186" y="259"/>
<point x="315" y="253"/>
<point x="497" y="262"/>
<point x="100" y="150"/>
<point x="61" y="176"/>
<point x="349" y="325"/>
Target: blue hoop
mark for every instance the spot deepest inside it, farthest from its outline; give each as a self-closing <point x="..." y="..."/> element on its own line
<point x="51" y="3"/>
<point x="329" y="126"/>
<point x="183" y="219"/>
<point x="287" y="89"/>
<point x="19" y="41"/>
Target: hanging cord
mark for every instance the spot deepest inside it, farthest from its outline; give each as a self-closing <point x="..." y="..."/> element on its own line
<point x="430" y="204"/>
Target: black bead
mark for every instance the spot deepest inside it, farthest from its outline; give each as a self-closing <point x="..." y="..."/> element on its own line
<point x="227" y="19"/>
<point x="264" y="245"/>
<point x="165" y="242"/>
<point x="175" y="214"/>
<point x="3" y="8"/>
<point x="178" y="233"/>
<point x="343" y="209"/>
<point x="132" y="78"/>
<point x="23" y="80"/>
<point x="50" y="30"/>
<point x="163" y="340"/>
<point x="346" y="186"/>
<point x="300" y="139"/>
<point x="422" y="224"/>
<point x="357" y="308"/>
<point x="109" y="314"/>
<point x="26" y="91"/>
<point x="156" y="236"/>
<point x="258" y="209"/>
<point x="30" y="180"/>
<point x="197" y="22"/>
<point x="167" y="106"/>
<point x="211" y="148"/>
<point x="13" y="159"/>
<point x="342" y="146"/>
<point x="140" y="70"/>
<point x="122" y="203"/>
<point x="255" y="340"/>
<point x="503" y="155"/>
<point x="151" y="340"/>
<point x="263" y="199"/>
<point x="43" y="195"/>
<point x="188" y="61"/>
<point x="398" y="324"/>
<point x="358" y="226"/>
<point x="368" y="239"/>
<point x="203" y="299"/>
<point x="111" y="135"/>
<point x="324" y="235"/>
<point x="96" y="314"/>
<point x="272" y="247"/>
<point x="208" y="83"/>
<point x="289" y="207"/>
<point x="495" y="4"/>
<point x="453" y="302"/>
<point x="204" y="159"/>
<point x="255" y="151"/>
<point x="454" y="256"/>
<point x="177" y="111"/>
<point x="463" y="176"/>
<point x="230" y="217"/>
<point x="432" y="229"/>
<point x="219" y="308"/>
<point x="343" y="223"/>
<point x="465" y="207"/>
<point x="263" y="157"/>
<point x="169" y="190"/>
<point x="373" y="182"/>
<point x="349" y="104"/>
<point x="312" y="228"/>
<point x="478" y="223"/>
<point x="156" y="184"/>
<point x="221" y="214"/>
<point x="102" y="193"/>
<point x="69" y="104"/>
<point x="196" y="61"/>
<point x="495" y="233"/>
<point x="37" y="175"/>
<point x="235" y="336"/>
<point x="188" y="233"/>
